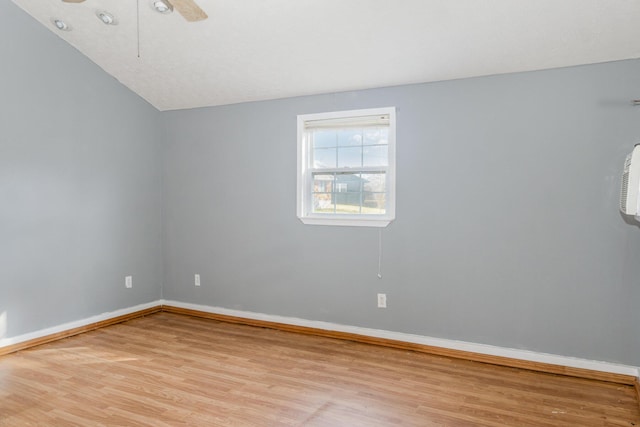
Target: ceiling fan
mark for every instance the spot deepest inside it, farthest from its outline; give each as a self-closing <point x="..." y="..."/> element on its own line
<point x="187" y="8"/>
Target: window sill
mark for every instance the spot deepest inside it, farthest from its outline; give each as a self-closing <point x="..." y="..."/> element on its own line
<point x="347" y="222"/>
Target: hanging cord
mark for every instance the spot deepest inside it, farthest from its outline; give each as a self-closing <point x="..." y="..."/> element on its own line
<point x="380" y="253"/>
<point x="138" y="24"/>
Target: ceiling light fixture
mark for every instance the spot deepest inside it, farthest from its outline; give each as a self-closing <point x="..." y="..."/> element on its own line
<point x="162" y="6"/>
<point x="60" y="24"/>
<point x="106" y="17"/>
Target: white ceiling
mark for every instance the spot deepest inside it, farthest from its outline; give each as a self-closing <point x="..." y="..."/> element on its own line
<point x="252" y="50"/>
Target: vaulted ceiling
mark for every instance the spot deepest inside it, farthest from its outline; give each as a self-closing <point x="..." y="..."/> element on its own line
<point x="248" y="50"/>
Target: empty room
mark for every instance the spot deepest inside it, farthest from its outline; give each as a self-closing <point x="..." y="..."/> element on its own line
<point x="319" y="213"/>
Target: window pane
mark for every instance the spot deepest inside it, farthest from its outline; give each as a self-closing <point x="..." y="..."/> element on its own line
<point x="375" y="136"/>
<point x="322" y="203"/>
<point x="349" y="157"/>
<point x="373" y="182"/>
<point x="350" y="182"/>
<point x="374" y="203"/>
<point x="322" y="183"/>
<point x="373" y="195"/>
<point x="323" y="187"/>
<point x="375" y="155"/>
<point x="324" y="158"/>
<point x="324" y="138"/>
<point x="347" y="202"/>
<point x="349" y="137"/>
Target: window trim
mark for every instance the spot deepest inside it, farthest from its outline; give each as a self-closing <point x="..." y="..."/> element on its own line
<point x="304" y="178"/>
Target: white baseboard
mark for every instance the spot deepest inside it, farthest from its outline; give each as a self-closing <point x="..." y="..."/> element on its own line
<point x="490" y="350"/>
<point x="531" y="356"/>
<point x="5" y="342"/>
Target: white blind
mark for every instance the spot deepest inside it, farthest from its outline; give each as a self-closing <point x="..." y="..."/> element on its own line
<point x="348" y="122"/>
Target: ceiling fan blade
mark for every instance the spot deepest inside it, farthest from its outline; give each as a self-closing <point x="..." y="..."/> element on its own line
<point x="189" y="10"/>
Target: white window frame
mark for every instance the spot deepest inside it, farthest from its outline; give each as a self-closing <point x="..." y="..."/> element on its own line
<point x="305" y="170"/>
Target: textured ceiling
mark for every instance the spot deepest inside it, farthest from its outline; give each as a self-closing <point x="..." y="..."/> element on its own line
<point x="252" y="50"/>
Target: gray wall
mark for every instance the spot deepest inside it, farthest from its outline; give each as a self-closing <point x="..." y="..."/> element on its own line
<point x="80" y="184"/>
<point x="507" y="229"/>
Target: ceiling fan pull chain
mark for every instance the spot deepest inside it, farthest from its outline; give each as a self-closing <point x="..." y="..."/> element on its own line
<point x="138" y="24"/>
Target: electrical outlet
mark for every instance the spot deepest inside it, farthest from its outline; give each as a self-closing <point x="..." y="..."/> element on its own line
<point x="197" y="280"/>
<point x="382" y="300"/>
<point x="128" y="282"/>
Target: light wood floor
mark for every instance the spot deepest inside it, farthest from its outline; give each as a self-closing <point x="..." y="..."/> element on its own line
<point x="173" y="370"/>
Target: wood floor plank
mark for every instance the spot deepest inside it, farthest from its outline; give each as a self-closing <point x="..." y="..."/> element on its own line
<point x="173" y="370"/>
<point x="422" y="348"/>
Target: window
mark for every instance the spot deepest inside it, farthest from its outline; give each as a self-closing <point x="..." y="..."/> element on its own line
<point x="346" y="167"/>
